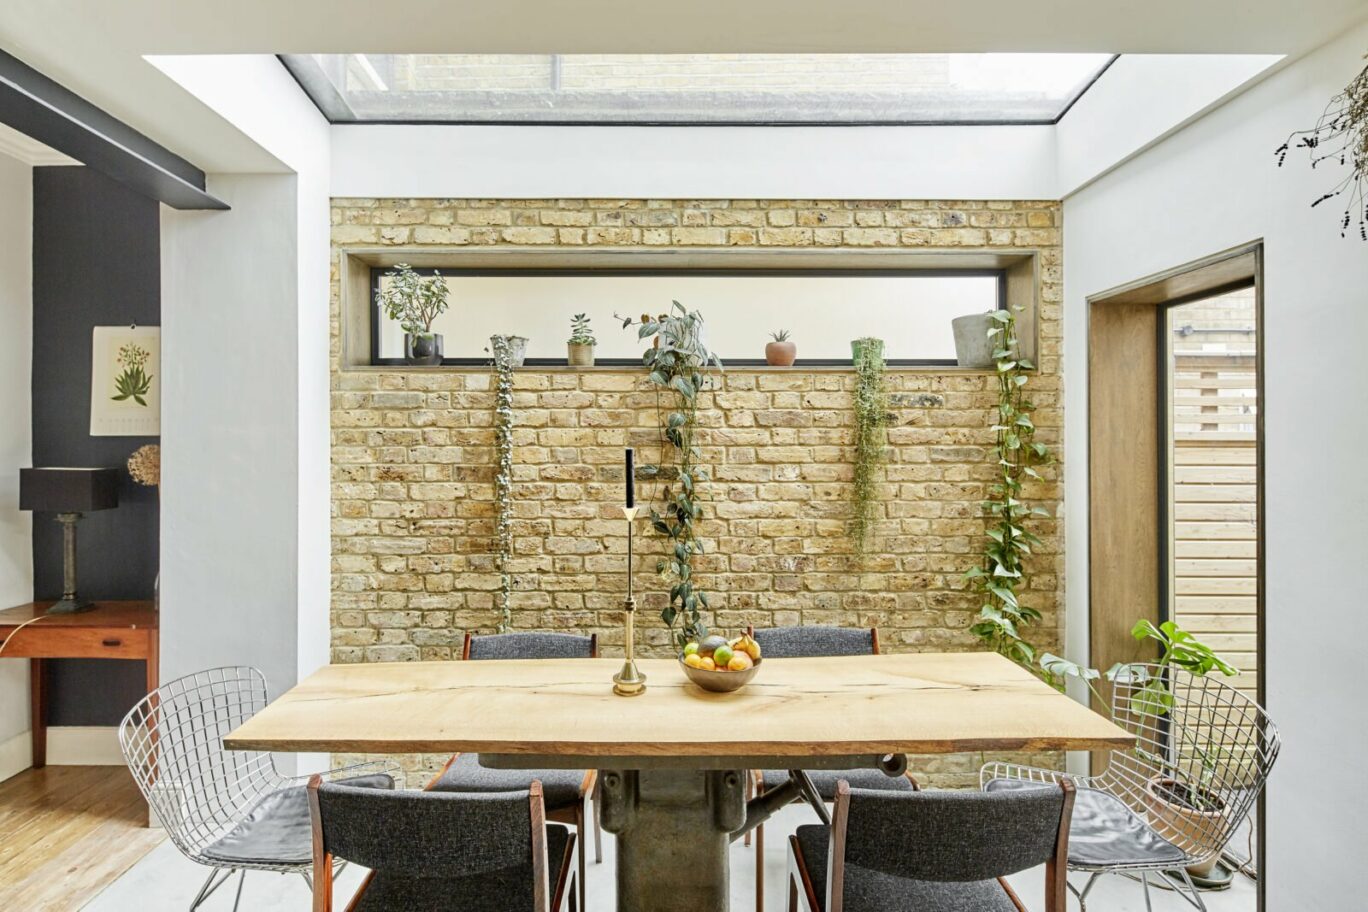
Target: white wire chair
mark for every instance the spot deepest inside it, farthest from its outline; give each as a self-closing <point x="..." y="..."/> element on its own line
<point x="172" y="741"/>
<point x="1203" y="753"/>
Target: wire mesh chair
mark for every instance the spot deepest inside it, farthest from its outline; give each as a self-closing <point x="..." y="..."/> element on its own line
<point x="229" y="810"/>
<point x="1203" y="753"/>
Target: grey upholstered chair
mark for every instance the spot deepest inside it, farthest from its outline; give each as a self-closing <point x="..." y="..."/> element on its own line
<point x="1203" y="754"/>
<point x="805" y="642"/>
<point x="228" y="810"/>
<point x="491" y="852"/>
<point x="566" y="792"/>
<point x="947" y="851"/>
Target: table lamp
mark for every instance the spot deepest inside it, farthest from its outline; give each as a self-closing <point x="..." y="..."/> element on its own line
<point x="68" y="493"/>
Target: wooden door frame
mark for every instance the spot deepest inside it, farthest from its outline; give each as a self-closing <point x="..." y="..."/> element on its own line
<point x="1149" y="299"/>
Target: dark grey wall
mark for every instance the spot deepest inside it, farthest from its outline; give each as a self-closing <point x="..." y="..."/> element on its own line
<point x="96" y="262"/>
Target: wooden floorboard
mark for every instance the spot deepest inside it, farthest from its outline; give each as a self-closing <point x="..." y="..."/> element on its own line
<point x="66" y="833"/>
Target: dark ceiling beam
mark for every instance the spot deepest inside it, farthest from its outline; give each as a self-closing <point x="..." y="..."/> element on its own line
<point x="57" y="117"/>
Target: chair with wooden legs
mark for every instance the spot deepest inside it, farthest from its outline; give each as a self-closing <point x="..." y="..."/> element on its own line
<point x="1203" y="753"/>
<point x="805" y="642"/>
<point x="432" y="850"/>
<point x="943" y="850"/>
<point x="566" y="792"/>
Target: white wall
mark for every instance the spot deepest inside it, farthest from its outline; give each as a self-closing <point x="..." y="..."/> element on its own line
<point x="1210" y="187"/>
<point x="695" y="162"/>
<point x="16" y="441"/>
<point x="229" y="536"/>
<point x="1139" y="100"/>
<point x="258" y="97"/>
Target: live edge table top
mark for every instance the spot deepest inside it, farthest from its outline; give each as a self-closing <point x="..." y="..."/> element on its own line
<point x="814" y="707"/>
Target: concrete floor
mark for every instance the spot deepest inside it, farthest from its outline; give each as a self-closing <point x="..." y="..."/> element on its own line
<point x="165" y="881"/>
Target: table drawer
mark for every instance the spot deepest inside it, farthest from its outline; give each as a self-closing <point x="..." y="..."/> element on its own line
<point x="35" y="642"/>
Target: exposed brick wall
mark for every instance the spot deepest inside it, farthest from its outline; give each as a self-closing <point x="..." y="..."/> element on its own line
<point x="413" y="458"/>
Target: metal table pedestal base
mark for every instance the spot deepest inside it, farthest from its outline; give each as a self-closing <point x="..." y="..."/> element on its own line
<point x="673" y="828"/>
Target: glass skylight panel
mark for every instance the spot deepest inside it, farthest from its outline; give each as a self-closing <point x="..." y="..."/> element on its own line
<point x="696" y="88"/>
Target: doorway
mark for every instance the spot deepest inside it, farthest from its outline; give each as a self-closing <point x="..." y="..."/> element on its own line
<point x="1175" y="389"/>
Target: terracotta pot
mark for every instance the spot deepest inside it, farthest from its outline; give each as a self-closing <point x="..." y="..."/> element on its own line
<point x="1186" y="827"/>
<point x="580" y="354"/>
<point x="780" y="354"/>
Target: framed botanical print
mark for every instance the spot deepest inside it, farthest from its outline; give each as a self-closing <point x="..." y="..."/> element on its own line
<point x="125" y="381"/>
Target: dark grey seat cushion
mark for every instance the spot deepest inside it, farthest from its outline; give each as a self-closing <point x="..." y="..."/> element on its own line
<point x="560" y="788"/>
<point x="507" y="890"/>
<point x="277" y="830"/>
<point x="867" y="890"/>
<point x="825" y="781"/>
<point x="531" y="646"/>
<point x="1104" y="832"/>
<point x="814" y="640"/>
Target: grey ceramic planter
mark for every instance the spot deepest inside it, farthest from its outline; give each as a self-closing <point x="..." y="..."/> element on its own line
<point x="423" y="348"/>
<point x="973" y="348"/>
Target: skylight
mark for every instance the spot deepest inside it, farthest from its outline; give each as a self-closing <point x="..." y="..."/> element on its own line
<point x="696" y="88"/>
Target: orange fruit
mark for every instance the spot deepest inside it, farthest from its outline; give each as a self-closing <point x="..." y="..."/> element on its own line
<point x="707" y="664"/>
<point x="740" y="662"/>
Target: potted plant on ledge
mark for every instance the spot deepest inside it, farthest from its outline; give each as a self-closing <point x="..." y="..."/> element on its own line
<point x="414" y="303"/>
<point x="781" y="352"/>
<point x="580" y="347"/>
<point x="974" y="339"/>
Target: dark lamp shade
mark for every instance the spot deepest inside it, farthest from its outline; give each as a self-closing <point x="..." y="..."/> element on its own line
<point x="57" y="490"/>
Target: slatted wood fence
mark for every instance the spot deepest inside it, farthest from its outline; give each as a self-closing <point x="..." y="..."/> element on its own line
<point x="1215" y="505"/>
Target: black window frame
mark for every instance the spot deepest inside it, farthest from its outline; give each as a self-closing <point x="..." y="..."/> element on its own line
<point x="550" y="272"/>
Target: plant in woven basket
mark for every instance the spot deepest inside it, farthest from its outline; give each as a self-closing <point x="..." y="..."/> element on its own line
<point x="679" y="365"/>
<point x="1340" y="136"/>
<point x="871" y="423"/>
<point x="1000" y="577"/>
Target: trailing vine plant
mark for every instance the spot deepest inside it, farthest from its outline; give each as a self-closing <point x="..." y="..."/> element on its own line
<point x="1000" y="576"/>
<point x="871" y="422"/>
<point x="503" y="477"/>
<point x="678" y="365"/>
<point x="1340" y="135"/>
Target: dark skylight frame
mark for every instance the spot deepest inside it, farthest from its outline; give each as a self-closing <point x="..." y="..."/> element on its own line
<point x="697" y="90"/>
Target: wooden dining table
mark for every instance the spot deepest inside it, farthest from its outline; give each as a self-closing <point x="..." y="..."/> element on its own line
<point x="673" y="759"/>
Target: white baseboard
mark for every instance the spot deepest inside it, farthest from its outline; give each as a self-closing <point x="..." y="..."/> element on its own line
<point x="16" y="755"/>
<point x="84" y="745"/>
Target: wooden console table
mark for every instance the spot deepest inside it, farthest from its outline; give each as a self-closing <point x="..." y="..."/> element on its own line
<point x="112" y="630"/>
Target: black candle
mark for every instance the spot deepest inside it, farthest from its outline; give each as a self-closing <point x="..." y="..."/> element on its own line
<point x="631" y="480"/>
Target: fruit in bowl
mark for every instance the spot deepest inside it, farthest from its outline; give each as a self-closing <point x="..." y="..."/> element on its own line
<point x="718" y="664"/>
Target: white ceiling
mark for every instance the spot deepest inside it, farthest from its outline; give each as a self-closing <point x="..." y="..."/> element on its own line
<point x="96" y="47"/>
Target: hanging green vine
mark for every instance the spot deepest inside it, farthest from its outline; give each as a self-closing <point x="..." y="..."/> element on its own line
<point x="871" y="423"/>
<point x="678" y="364"/>
<point x="1001" y="576"/>
<point x="503" y="476"/>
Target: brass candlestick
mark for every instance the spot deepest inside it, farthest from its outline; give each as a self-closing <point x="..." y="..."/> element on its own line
<point x="629" y="682"/>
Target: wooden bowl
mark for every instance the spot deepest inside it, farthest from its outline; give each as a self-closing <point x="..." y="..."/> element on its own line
<point x="720" y="681"/>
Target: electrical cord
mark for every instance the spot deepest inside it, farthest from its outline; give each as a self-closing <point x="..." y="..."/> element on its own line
<point x="31" y="620"/>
